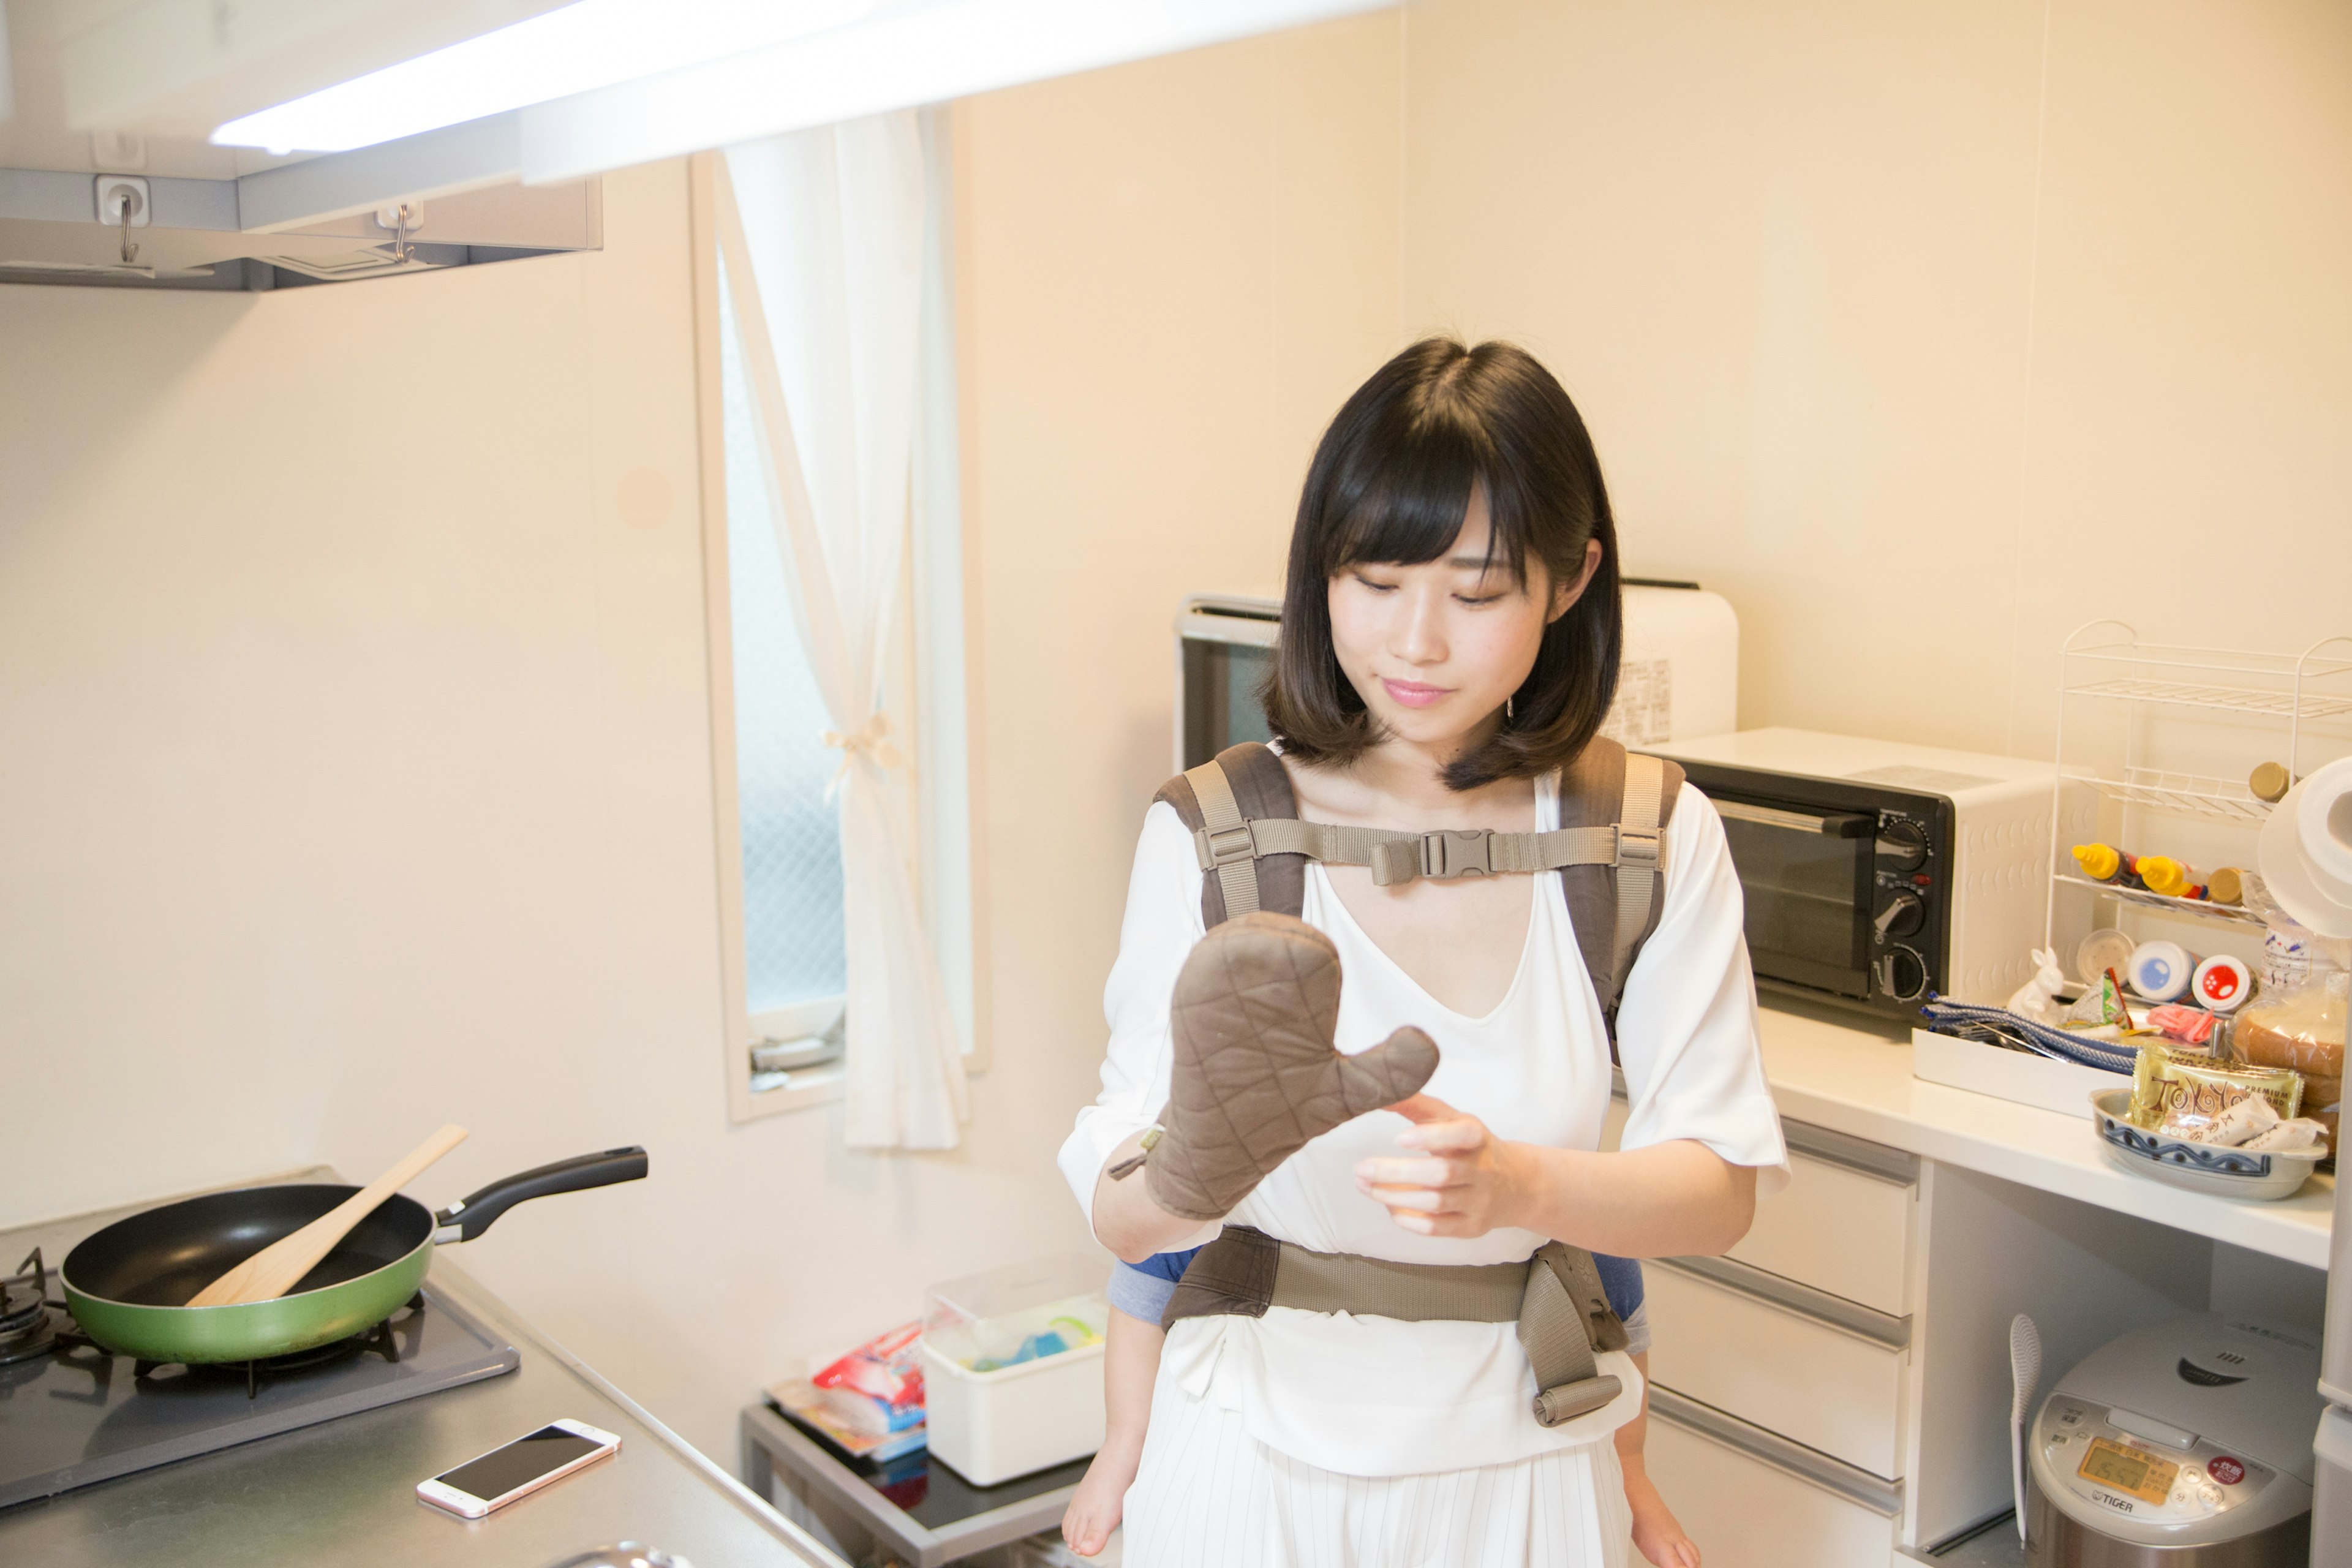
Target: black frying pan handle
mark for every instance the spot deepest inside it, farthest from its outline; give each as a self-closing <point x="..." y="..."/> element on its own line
<point x="471" y="1214"/>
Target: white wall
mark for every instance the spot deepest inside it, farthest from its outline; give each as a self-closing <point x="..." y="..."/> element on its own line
<point x="1923" y="332"/>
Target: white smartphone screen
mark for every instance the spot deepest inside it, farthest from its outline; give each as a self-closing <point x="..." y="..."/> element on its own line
<point x="520" y="1463"/>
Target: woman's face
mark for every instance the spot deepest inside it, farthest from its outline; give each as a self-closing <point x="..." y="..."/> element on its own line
<point x="1434" y="650"/>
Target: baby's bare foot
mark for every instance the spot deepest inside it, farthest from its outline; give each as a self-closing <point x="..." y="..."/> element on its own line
<point x="1093" y="1510"/>
<point x="1658" y="1534"/>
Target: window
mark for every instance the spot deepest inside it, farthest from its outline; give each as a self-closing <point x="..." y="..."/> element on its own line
<point x="779" y="845"/>
<point x="789" y="850"/>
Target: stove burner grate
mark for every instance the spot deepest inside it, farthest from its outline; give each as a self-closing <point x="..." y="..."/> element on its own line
<point x="163" y="1376"/>
<point x="28" y="1323"/>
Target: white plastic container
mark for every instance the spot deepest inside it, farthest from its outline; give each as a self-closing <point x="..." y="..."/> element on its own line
<point x="992" y="1422"/>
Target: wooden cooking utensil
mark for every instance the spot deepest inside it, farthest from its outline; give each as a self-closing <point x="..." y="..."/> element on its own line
<point x="276" y="1269"/>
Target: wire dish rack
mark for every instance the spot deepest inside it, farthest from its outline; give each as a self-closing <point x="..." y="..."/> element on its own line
<point x="2286" y="703"/>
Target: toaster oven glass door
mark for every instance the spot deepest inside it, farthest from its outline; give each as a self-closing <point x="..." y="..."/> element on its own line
<point x="1807" y="874"/>
<point x="1219" y="697"/>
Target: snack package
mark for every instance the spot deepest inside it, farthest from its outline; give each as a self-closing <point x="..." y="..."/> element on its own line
<point x="2186" y="1092"/>
<point x="2187" y="1026"/>
<point x="2096" y="1005"/>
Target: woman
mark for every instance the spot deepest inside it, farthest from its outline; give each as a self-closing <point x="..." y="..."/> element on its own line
<point x="1450" y="641"/>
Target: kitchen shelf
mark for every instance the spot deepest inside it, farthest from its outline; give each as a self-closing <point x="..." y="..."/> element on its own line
<point x="2225" y="699"/>
<point x="2196" y="909"/>
<point x="2185" y="795"/>
<point x="2298" y="699"/>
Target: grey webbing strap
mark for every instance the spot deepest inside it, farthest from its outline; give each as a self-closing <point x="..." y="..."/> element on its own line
<point x="1411" y="1292"/>
<point x="1639" y="858"/>
<point x="1556" y="1298"/>
<point x="1397" y="857"/>
<point x="1224" y="842"/>
<point x="1562" y="1289"/>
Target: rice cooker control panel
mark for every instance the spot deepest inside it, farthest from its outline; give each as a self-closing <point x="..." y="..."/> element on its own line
<point x="2142" y="1470"/>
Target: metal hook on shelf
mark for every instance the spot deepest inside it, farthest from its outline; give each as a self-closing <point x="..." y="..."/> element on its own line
<point x="126" y="202"/>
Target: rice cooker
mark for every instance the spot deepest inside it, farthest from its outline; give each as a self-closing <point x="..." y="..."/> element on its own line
<point x="2187" y="1445"/>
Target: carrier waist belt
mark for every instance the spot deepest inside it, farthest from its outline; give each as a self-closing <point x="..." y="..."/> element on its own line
<point x="1555" y="1298"/>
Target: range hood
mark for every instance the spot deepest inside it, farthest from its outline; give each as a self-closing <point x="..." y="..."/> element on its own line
<point x="205" y="217"/>
<point x="67" y="227"/>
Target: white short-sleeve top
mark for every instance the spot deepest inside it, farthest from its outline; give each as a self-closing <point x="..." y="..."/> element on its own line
<point x="1373" y="1396"/>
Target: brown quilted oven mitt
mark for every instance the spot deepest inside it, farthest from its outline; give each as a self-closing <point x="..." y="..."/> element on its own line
<point x="1255" y="1073"/>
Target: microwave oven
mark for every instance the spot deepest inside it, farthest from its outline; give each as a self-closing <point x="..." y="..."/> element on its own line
<point x="1679" y="674"/>
<point x="1876" y="873"/>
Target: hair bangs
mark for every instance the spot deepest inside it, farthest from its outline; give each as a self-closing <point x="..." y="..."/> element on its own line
<point x="1404" y="499"/>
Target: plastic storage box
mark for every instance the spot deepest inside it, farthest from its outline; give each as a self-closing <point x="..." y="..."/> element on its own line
<point x="1012" y="1367"/>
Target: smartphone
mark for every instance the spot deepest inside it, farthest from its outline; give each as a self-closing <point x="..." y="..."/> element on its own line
<point x="481" y="1486"/>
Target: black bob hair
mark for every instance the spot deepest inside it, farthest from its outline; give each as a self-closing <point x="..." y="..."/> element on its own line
<point x="1391" y="482"/>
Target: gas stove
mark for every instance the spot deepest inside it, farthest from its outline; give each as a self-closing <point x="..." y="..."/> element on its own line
<point x="73" y="1413"/>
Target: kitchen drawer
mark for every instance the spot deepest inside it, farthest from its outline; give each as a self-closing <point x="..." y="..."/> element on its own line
<point x="1843" y="1222"/>
<point x="1839" y="1226"/>
<point x="1836" y="1388"/>
<point x="1750" y="1500"/>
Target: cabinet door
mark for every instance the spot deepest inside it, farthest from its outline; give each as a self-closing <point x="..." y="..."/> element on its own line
<point x="1744" y="1512"/>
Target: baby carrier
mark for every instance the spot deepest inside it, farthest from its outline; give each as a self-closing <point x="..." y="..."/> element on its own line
<point x="1253" y="848"/>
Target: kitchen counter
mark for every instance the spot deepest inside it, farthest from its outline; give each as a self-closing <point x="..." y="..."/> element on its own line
<point x="1852" y="1074"/>
<point x="343" y="1492"/>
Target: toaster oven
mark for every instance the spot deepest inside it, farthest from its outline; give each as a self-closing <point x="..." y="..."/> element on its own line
<point x="1877" y="874"/>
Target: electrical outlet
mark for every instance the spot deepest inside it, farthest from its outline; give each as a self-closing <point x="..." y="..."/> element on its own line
<point x="121" y="197"/>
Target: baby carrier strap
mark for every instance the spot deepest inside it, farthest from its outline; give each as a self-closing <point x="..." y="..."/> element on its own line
<point x="1219" y="801"/>
<point x="1555" y="1299"/>
<point x="1615" y="905"/>
<point x="1609" y="848"/>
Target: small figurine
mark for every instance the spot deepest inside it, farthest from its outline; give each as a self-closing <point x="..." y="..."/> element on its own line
<point x="2037" y="999"/>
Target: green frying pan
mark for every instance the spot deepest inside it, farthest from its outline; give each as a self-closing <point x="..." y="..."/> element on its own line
<point x="127" y="1284"/>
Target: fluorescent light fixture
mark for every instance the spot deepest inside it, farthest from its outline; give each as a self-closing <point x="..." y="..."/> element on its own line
<point x="577" y="48"/>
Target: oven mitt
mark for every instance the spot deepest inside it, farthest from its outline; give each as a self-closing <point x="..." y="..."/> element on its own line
<point x="1255" y="1074"/>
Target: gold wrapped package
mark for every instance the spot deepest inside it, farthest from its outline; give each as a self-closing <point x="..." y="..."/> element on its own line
<point x="2168" y="1087"/>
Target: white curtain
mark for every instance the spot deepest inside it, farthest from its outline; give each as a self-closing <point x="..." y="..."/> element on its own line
<point x="822" y="233"/>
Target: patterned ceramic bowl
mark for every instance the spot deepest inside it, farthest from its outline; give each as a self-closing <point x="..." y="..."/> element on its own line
<point x="2199" y="1167"/>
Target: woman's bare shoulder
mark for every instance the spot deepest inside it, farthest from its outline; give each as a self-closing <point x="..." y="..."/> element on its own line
<point x="1329" y="794"/>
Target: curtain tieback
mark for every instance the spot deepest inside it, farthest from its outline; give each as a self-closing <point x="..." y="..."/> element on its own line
<point x="872" y="740"/>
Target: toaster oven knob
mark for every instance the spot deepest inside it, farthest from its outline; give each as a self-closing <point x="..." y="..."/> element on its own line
<point x="1902" y="975"/>
<point x="1902" y="846"/>
<point x="1904" y="913"/>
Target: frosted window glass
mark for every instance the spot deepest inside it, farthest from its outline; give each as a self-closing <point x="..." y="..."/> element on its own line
<point x="791" y="842"/>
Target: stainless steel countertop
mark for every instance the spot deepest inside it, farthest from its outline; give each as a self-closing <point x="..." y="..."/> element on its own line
<point x="344" y="1492"/>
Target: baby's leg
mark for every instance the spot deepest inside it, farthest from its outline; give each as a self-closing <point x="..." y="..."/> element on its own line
<point x="1130" y="1366"/>
<point x="1656" y="1529"/>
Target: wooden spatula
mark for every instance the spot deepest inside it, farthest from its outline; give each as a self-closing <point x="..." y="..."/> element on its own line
<point x="275" y="1269"/>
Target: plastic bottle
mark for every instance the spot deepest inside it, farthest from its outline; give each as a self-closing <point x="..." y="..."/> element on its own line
<point x="2163" y="874"/>
<point x="2161" y="971"/>
<point x="2106" y="863"/>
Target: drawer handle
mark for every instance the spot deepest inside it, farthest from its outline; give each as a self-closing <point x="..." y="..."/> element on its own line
<point x="1868" y="1322"/>
<point x="1856" y="1485"/>
<point x="1897" y="1166"/>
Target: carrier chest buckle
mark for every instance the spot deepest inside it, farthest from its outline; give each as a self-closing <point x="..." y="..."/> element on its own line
<point x="1457" y="852"/>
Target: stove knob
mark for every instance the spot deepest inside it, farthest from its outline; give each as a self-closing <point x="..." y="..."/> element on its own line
<point x="1902" y="846"/>
<point x="1904" y="912"/>
<point x="1902" y="975"/>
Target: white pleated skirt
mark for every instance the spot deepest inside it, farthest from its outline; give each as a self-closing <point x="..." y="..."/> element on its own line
<point x="1207" y="1492"/>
